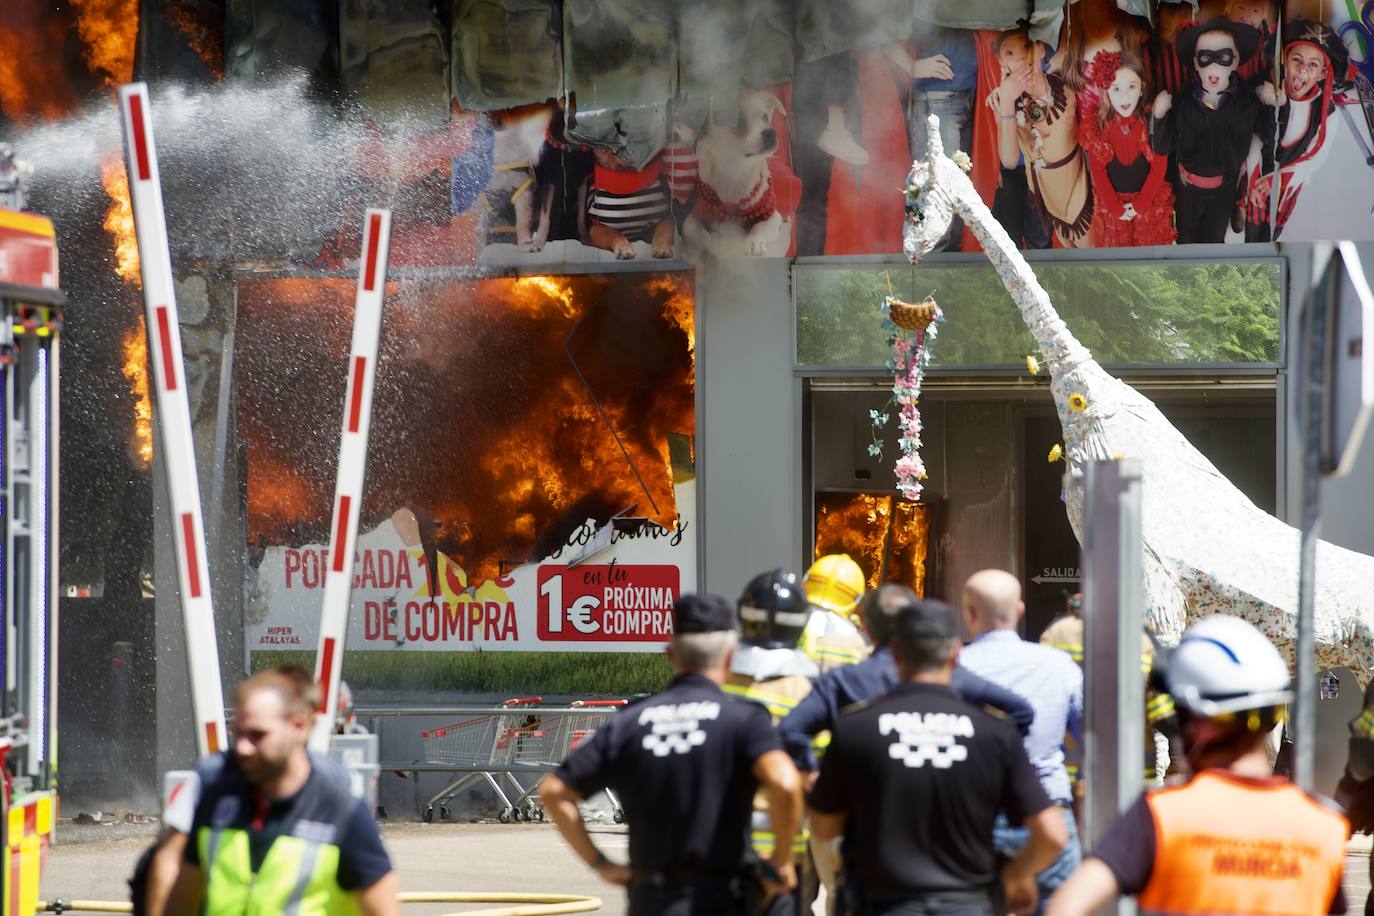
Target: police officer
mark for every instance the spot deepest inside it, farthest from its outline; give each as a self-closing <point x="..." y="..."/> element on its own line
<point x="686" y="764"/>
<point x="272" y="832"/>
<point x="914" y="781"/>
<point x="1235" y="838"/>
<point x="770" y="670"/>
<point x="834" y="584"/>
<point x="805" y="728"/>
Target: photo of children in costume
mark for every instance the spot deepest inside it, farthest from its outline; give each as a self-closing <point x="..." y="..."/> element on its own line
<point x="1210" y="128"/>
<point x="1037" y="126"/>
<point x="1316" y="68"/>
<point x="1134" y="204"/>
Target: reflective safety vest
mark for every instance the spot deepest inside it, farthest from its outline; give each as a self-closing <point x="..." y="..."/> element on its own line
<point x="1225" y="844"/>
<point x="299" y="877"/>
<point x="780" y="695"/>
<point x="831" y="641"/>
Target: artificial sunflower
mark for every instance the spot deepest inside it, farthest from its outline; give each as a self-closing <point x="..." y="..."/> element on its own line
<point x="1077" y="403"/>
<point x="1056" y="452"/>
<point x="1033" y="365"/>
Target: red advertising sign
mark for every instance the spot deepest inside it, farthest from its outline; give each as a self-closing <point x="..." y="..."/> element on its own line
<point x="607" y="603"/>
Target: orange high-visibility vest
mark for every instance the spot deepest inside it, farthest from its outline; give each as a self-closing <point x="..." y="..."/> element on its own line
<point x="1229" y="845"/>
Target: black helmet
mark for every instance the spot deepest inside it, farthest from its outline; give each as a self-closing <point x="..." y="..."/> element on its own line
<point x="773" y="610"/>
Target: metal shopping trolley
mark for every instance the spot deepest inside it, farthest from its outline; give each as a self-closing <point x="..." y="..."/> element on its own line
<point x="566" y="733"/>
<point x="485" y="740"/>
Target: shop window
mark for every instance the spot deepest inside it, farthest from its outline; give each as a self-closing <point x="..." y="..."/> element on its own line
<point x="1161" y="313"/>
<point x="889" y="537"/>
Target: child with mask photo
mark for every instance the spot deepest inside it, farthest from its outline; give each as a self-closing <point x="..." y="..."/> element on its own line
<point x="1134" y="205"/>
<point x="1210" y="128"/>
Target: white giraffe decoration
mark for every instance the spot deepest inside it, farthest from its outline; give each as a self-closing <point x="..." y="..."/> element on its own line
<point x="1208" y="548"/>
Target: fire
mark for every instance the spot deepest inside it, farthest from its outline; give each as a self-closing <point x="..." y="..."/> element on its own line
<point x="886" y="536"/>
<point x="32" y="84"/>
<point x="204" y="35"/>
<point x="119" y="221"/>
<point x="559" y="293"/>
<point x="512" y="411"/>
<point x="679" y="307"/>
<point x="109" y="29"/>
<point x="135" y="348"/>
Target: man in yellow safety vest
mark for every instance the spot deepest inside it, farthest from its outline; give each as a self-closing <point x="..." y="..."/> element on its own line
<point x="271" y="833"/>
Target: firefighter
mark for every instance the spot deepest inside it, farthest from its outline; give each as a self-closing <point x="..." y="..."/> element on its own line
<point x="271" y="831"/>
<point x="834" y="585"/>
<point x="1235" y="838"/>
<point x="770" y="670"/>
<point x="686" y="764"/>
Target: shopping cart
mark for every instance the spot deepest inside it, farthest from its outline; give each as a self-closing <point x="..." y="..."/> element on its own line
<point x="562" y="735"/>
<point x="485" y="740"/>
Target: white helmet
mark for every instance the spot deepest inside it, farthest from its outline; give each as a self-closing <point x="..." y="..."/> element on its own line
<point x="1225" y="665"/>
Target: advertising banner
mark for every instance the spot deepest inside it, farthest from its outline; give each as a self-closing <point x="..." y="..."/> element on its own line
<point x="531" y="476"/>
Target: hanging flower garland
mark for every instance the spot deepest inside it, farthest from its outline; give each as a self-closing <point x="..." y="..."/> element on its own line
<point x="913" y="326"/>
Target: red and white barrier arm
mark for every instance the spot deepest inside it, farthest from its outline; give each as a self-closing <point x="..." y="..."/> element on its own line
<point x="348" y="483"/>
<point x="174" y="416"/>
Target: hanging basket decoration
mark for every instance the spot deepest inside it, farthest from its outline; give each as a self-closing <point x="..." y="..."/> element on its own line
<point x="914" y="326"/>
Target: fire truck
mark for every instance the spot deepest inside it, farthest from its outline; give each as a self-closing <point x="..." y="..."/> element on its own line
<point x="30" y="326"/>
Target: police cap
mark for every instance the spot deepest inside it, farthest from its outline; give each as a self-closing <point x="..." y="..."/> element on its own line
<point x="702" y="613"/>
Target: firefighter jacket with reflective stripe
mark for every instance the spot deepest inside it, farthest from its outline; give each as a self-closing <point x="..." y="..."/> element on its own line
<point x="831" y="641"/>
<point x="780" y="695"/>
<point x="1227" y="845"/>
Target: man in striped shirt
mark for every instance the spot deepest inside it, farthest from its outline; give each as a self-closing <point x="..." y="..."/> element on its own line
<point x="1049" y="680"/>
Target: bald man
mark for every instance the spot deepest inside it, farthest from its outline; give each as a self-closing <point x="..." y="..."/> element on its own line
<point x="1053" y="684"/>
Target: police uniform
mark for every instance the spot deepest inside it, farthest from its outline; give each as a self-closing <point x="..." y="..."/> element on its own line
<point x="682" y="765"/>
<point x="307" y="854"/>
<point x="1226" y="843"/>
<point x="873" y="677"/>
<point x="921" y="775"/>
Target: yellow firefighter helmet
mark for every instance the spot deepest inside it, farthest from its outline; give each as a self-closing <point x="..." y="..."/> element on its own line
<point x="836" y="583"/>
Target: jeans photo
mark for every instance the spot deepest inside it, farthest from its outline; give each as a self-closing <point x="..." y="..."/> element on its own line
<point x="1008" y="841"/>
<point x="970" y="905"/>
<point x="955" y="111"/>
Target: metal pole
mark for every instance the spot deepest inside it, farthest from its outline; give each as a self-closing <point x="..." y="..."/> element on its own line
<point x="348" y="481"/>
<point x="1113" y="617"/>
<point x="174" y="416"/>
<point x="1312" y="378"/>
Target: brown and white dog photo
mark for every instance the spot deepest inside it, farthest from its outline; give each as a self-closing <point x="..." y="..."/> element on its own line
<point x="736" y="211"/>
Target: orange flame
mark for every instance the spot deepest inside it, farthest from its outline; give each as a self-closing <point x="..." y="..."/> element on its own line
<point x="537" y="402"/>
<point x="135" y="348"/>
<point x="32" y="84"/>
<point x="119" y="221"/>
<point x="887" y="537"/>
<point x="109" y="29"/>
<point x="203" y="34"/>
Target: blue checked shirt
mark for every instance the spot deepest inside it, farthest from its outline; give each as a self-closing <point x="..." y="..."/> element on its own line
<point x="1051" y="682"/>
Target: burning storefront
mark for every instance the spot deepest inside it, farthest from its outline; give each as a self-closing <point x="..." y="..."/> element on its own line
<point x="551" y="397"/>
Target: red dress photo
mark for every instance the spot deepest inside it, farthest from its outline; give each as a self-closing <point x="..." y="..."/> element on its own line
<point x="1124" y="170"/>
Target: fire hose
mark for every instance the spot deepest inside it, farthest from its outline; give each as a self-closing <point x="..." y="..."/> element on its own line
<point x="526" y="904"/>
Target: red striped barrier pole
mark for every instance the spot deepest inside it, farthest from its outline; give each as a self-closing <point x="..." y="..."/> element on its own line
<point x="348" y="483"/>
<point x="174" y="416"/>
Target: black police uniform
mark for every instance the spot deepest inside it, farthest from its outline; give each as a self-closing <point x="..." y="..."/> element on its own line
<point x="922" y="775"/>
<point x="682" y="763"/>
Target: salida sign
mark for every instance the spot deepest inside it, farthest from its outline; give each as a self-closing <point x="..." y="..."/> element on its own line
<point x="399" y="603"/>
